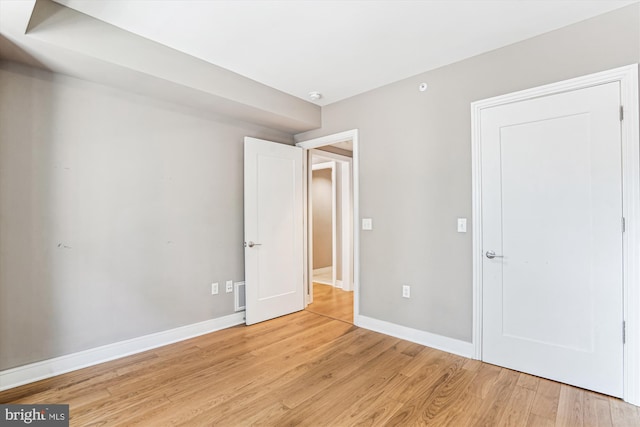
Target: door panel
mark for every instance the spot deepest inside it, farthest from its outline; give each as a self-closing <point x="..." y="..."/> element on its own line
<point x="552" y="207"/>
<point x="273" y="222"/>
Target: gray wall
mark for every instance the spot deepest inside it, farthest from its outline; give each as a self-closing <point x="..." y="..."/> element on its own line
<point x="117" y="212"/>
<point x="415" y="165"/>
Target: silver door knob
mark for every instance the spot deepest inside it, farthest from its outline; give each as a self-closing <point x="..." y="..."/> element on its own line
<point x="251" y="244"/>
<point x="492" y="255"/>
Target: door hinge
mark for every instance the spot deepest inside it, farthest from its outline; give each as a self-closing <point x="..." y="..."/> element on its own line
<point x="624" y="224"/>
<point x="624" y="332"/>
<point x="621" y="113"/>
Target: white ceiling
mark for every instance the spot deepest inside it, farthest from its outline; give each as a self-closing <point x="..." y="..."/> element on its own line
<point x="339" y="48"/>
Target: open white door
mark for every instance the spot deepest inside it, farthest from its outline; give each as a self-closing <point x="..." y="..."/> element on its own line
<point x="273" y="229"/>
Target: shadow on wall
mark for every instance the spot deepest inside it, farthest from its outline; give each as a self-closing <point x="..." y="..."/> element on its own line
<point x="10" y="51"/>
<point x="28" y="262"/>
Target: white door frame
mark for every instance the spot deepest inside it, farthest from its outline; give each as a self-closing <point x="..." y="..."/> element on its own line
<point x="318" y="166"/>
<point x="350" y="135"/>
<point x="346" y="239"/>
<point x="628" y="78"/>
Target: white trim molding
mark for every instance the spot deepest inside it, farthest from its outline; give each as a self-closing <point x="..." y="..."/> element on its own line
<point x="439" y="342"/>
<point x="627" y="76"/>
<point x="32" y="372"/>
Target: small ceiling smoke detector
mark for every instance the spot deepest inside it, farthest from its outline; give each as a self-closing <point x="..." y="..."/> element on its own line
<point x="422" y="87"/>
<point x="314" y="96"/>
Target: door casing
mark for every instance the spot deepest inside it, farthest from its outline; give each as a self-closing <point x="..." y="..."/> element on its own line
<point x="628" y="78"/>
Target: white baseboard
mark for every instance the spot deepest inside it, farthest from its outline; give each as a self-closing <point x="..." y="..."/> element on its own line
<point x="338" y="283"/>
<point x="322" y="270"/>
<point x="48" y="368"/>
<point x="439" y="342"/>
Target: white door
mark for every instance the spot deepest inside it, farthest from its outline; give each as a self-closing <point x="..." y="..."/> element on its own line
<point x="273" y="226"/>
<point x="552" y="214"/>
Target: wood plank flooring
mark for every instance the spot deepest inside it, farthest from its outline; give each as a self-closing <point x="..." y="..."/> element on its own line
<point x="332" y="302"/>
<point x="308" y="369"/>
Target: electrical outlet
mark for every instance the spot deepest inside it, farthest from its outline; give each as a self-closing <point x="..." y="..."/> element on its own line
<point x="406" y="291"/>
<point x="214" y="288"/>
<point x="229" y="285"/>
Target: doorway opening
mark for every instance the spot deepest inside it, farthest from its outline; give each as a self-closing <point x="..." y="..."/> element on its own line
<point x="323" y="221"/>
<point x="330" y="218"/>
<point x="331" y="270"/>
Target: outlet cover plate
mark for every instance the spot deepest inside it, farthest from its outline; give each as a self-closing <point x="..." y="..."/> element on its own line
<point x="406" y="291"/>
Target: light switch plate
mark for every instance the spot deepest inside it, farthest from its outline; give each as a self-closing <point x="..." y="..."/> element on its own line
<point x="367" y="224"/>
<point x="462" y="225"/>
<point x="229" y="286"/>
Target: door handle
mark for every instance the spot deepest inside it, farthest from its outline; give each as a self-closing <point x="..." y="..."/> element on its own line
<point x="492" y="255"/>
<point x="251" y="244"/>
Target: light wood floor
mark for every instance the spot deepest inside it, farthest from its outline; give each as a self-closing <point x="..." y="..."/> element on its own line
<point x="307" y="369"/>
<point x="332" y="302"/>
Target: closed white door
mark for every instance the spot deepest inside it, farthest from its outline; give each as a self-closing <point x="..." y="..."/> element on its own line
<point x="552" y="215"/>
<point x="273" y="226"/>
